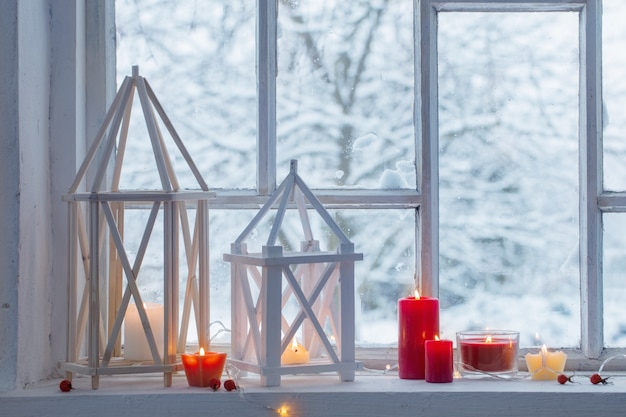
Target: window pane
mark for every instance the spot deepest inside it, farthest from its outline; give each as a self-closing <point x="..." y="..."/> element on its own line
<point x="387" y="240"/>
<point x="381" y="278"/>
<point x="345" y="92"/>
<point x="508" y="133"/>
<point x="199" y="59"/>
<point x="614" y="279"/>
<point x="614" y="94"/>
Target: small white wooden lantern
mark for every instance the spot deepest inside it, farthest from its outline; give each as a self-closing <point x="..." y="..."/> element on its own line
<point x="98" y="298"/>
<point x="261" y="331"/>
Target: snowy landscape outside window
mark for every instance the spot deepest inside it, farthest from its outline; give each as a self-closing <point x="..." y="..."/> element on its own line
<point x="348" y="106"/>
<point x="508" y="173"/>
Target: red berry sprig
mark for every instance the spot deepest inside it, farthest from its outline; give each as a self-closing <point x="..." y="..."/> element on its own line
<point x="597" y="379"/>
<point x="230" y="385"/>
<point x="65" y="385"/>
<point x="215" y="384"/>
<point x="562" y="378"/>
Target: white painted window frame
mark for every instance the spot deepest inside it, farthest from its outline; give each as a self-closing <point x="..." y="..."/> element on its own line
<point x="592" y="201"/>
<point x="424" y="198"/>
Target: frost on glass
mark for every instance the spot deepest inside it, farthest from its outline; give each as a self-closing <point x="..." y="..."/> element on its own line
<point x="614" y="278"/>
<point x="508" y="166"/>
<point x="198" y="56"/>
<point x="345" y="92"/>
<point x="614" y="94"/>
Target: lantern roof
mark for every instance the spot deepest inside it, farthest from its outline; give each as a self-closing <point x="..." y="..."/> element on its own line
<point x="293" y="188"/>
<point x="112" y="136"/>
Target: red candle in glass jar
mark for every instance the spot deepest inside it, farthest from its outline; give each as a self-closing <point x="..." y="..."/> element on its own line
<point x="489" y="354"/>
<point x="202" y="367"/>
<point x="418" y="321"/>
<point x="439" y="360"/>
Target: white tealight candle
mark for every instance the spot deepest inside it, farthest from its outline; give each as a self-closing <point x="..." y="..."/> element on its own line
<point x="294" y="354"/>
<point x="136" y="346"/>
<point x="545" y="365"/>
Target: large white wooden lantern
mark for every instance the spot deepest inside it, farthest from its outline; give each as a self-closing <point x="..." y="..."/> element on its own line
<point x="319" y="336"/>
<point x="105" y="278"/>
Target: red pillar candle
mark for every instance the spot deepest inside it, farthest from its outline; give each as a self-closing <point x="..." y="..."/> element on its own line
<point x="418" y="320"/>
<point x="439" y="360"/>
<point x="201" y="368"/>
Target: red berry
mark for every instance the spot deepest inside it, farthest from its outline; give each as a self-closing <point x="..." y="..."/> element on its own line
<point x="215" y="384"/>
<point x="230" y="385"/>
<point x="564" y="378"/>
<point x="65" y="385"/>
<point x="597" y="379"/>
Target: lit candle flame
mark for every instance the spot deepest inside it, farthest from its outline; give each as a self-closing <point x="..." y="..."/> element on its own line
<point x="283" y="411"/>
<point x="417" y="294"/>
<point x="436" y="337"/>
<point x="201" y="351"/>
<point x="294" y="344"/>
<point x="488" y="339"/>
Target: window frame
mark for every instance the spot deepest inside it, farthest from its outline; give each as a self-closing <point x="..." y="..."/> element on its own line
<point x="593" y="202"/>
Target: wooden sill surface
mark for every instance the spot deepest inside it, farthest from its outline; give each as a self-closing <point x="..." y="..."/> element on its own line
<point x="321" y="395"/>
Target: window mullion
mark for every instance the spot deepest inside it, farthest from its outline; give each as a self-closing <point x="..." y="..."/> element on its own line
<point x="427" y="147"/>
<point x="591" y="179"/>
<point x="267" y="14"/>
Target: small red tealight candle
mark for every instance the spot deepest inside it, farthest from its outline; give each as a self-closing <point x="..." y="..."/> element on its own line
<point x="439" y="360"/>
<point x="201" y="367"/>
<point x="418" y="321"/>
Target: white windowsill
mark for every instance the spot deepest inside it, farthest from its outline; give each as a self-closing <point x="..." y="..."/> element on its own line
<point x="321" y="395"/>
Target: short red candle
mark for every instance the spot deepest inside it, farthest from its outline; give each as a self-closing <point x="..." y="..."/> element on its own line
<point x="496" y="355"/>
<point x="202" y="367"/>
<point x="439" y="361"/>
<point x="418" y="321"/>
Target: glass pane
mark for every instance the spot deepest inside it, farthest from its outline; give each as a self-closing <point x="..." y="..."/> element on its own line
<point x="381" y="278"/>
<point x="508" y="152"/>
<point x="199" y="58"/>
<point x="614" y="279"/>
<point x="387" y="240"/>
<point x="614" y="94"/>
<point x="345" y="91"/>
<point x="225" y="226"/>
<point x="150" y="277"/>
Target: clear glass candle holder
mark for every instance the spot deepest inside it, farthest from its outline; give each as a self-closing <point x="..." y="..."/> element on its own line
<point x="487" y="352"/>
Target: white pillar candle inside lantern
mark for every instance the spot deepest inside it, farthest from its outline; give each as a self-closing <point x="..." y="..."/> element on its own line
<point x="136" y="346"/>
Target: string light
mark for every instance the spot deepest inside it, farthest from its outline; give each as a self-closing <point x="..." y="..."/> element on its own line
<point x="222" y="329"/>
<point x="609" y="359"/>
<point x="388" y="369"/>
<point x="233" y="373"/>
